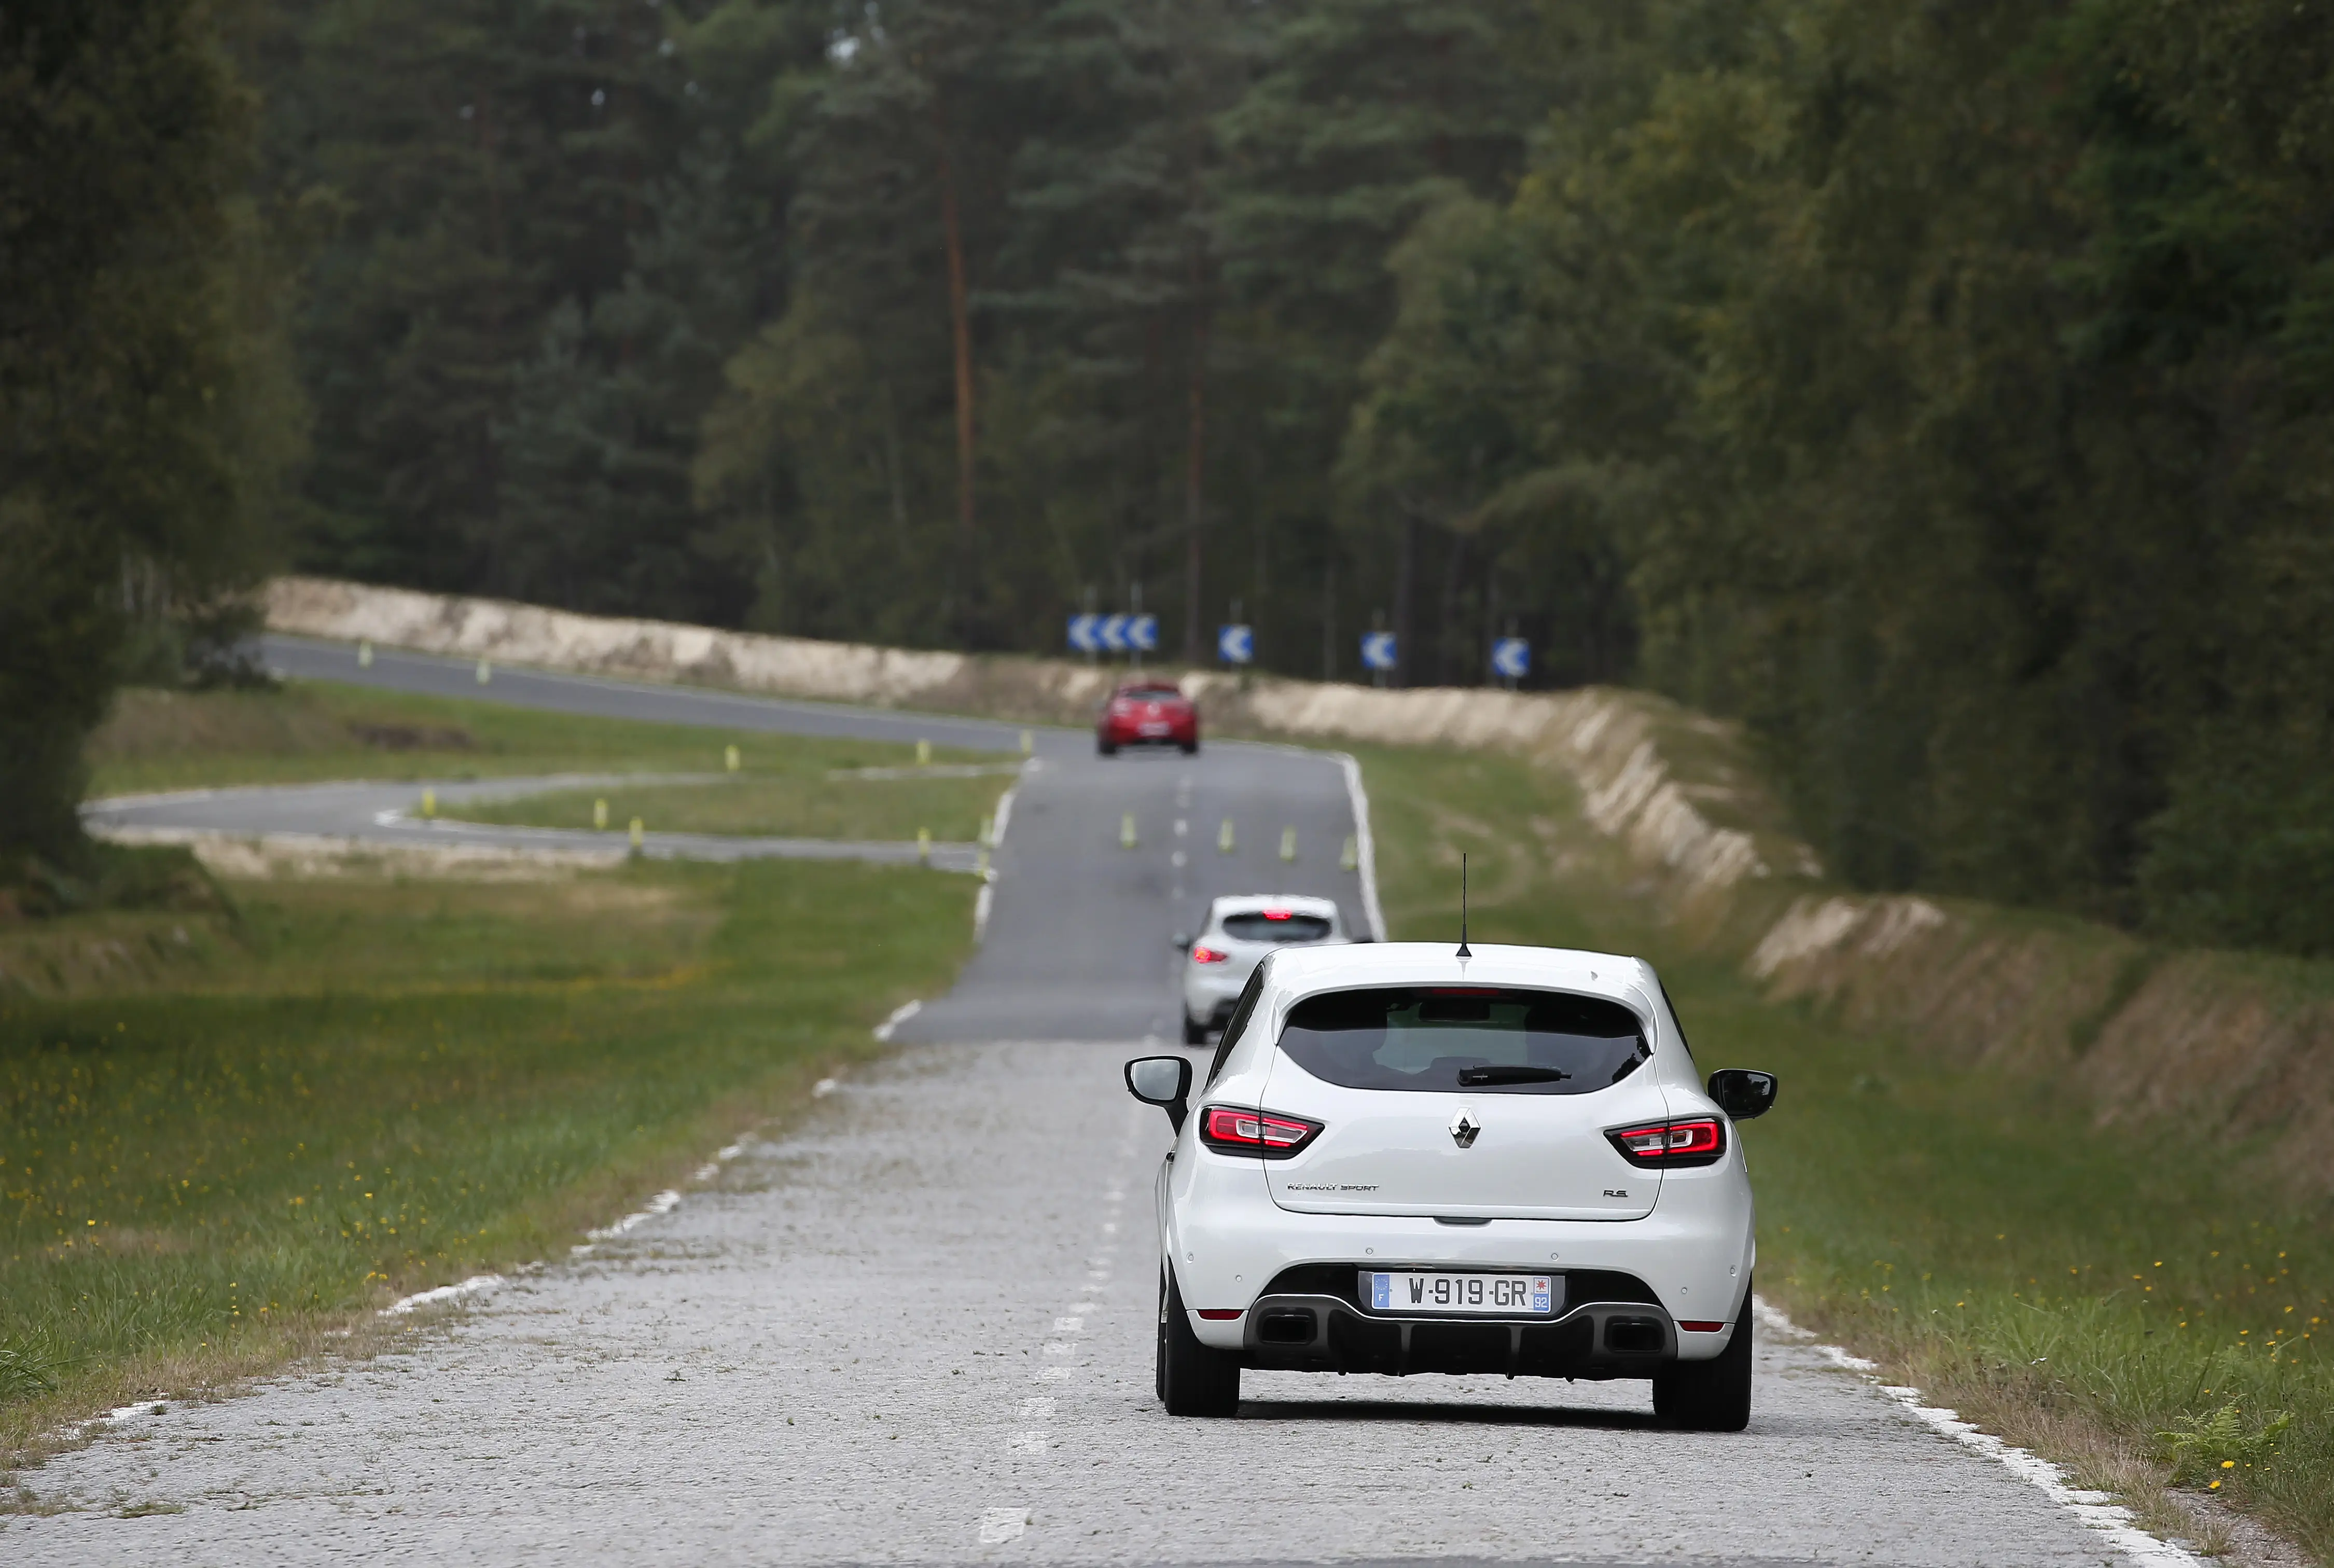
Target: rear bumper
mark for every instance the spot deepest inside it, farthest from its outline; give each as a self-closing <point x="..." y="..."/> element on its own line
<point x="1231" y="1247"/>
<point x="1132" y="734"/>
<point x="1306" y="1332"/>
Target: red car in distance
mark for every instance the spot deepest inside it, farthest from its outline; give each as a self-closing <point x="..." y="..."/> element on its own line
<point x="1147" y="714"/>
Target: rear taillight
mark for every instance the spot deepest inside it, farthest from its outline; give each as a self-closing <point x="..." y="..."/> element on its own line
<point x="1230" y="1129"/>
<point x="1208" y="955"/>
<point x="1696" y="1140"/>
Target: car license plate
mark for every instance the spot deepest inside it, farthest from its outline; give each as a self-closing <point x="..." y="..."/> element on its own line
<point x="1496" y="1295"/>
<point x="1153" y="729"/>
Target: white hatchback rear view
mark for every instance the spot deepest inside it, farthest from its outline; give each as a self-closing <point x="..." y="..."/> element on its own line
<point x="1240" y="931"/>
<point x="1406" y="1161"/>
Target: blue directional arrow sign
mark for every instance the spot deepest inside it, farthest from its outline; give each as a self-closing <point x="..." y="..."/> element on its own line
<point x="1510" y="658"/>
<point x="1143" y="633"/>
<point x="1236" y="645"/>
<point x="1377" y="651"/>
<point x="1085" y="633"/>
<point x="1113" y="633"/>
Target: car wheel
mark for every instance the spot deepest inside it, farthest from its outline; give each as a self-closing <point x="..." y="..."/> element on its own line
<point x="1194" y="1380"/>
<point x="1710" y="1396"/>
<point x="1190" y="748"/>
<point x="1106" y="748"/>
<point x="1159" y="1355"/>
<point x="1195" y="1033"/>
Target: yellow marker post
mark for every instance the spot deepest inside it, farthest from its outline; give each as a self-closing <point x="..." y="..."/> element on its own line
<point x="987" y="831"/>
<point x="1288" y="844"/>
<point x="600" y="815"/>
<point x="729" y="755"/>
<point x="1028" y="743"/>
<point x="485" y="672"/>
<point x="1126" y="831"/>
<point x="429" y="803"/>
<point x="637" y="833"/>
<point x="981" y="863"/>
<point x="924" y="846"/>
<point x="1224" y="837"/>
<point x="364" y="656"/>
<point x="1351" y="857"/>
<point x="923" y="753"/>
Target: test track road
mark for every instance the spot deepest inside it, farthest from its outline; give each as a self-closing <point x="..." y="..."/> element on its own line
<point x="918" y="1328"/>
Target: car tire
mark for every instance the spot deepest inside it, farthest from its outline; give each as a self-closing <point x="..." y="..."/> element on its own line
<point x="1194" y="1380"/>
<point x="1190" y="748"/>
<point x="1195" y="1033"/>
<point x="1105" y="748"/>
<point x="1712" y="1396"/>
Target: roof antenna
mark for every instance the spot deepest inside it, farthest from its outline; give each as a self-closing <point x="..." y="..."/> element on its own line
<point x="1464" y="953"/>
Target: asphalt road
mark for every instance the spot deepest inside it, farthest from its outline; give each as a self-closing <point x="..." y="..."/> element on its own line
<point x="390" y="816"/>
<point x="917" y="1328"/>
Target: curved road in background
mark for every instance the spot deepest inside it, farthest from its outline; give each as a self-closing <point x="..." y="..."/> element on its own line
<point x="917" y="1327"/>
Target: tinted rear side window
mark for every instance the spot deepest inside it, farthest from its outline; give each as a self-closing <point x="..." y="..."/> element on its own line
<point x="1260" y="927"/>
<point x="1480" y="1041"/>
<point x="1236" y="1025"/>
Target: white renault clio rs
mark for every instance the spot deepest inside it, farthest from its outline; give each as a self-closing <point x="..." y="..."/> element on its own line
<point x="1241" y="930"/>
<point x="1403" y="1160"/>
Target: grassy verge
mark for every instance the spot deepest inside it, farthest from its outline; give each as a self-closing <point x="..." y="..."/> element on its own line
<point x="2075" y="1288"/>
<point x="788" y="796"/>
<point x="358" y="1088"/>
<point x="317" y="730"/>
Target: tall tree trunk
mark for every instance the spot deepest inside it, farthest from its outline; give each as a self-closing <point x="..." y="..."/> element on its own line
<point x="1405" y="602"/>
<point x="960" y="333"/>
<point x="1195" y="468"/>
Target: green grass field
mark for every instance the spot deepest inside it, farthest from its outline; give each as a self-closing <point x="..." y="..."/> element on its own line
<point x="338" y="1091"/>
<point x="2077" y="1288"/>
<point x="787" y="797"/>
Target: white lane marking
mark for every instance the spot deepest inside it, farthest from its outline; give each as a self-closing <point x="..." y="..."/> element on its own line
<point x="998" y="1526"/>
<point x="1037" y="1410"/>
<point x="1176" y="860"/>
<point x="1052" y="1374"/>
<point x="1060" y="1348"/>
<point x="982" y="902"/>
<point x="476" y="1284"/>
<point x="707" y="1171"/>
<point x="900" y="1015"/>
<point x="1366" y="851"/>
<point x="2092" y="1509"/>
<point x="822" y="1087"/>
<point x="1069" y="1325"/>
<point x="1031" y="1442"/>
<point x="1183" y="826"/>
<point x="662" y="1203"/>
<point x="1110" y="1227"/>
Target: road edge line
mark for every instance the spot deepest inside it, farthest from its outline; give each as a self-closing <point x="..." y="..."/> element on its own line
<point x="2093" y="1510"/>
<point x="1365" y="849"/>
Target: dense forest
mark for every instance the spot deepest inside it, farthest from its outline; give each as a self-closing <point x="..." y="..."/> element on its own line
<point x="1943" y="389"/>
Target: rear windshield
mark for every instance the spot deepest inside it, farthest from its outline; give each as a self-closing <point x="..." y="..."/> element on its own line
<point x="1263" y="927"/>
<point x="1150" y="694"/>
<point x="1478" y="1040"/>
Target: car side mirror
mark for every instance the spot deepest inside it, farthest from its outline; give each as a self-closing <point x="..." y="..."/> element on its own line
<point x="1743" y="1093"/>
<point x="1164" y="1081"/>
<point x="1181" y="942"/>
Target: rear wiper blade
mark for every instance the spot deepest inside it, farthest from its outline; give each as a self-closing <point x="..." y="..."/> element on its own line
<point x="1474" y="1075"/>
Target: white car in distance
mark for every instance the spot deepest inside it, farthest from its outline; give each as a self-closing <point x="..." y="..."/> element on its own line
<point x="1241" y="930"/>
<point x="1401" y="1160"/>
